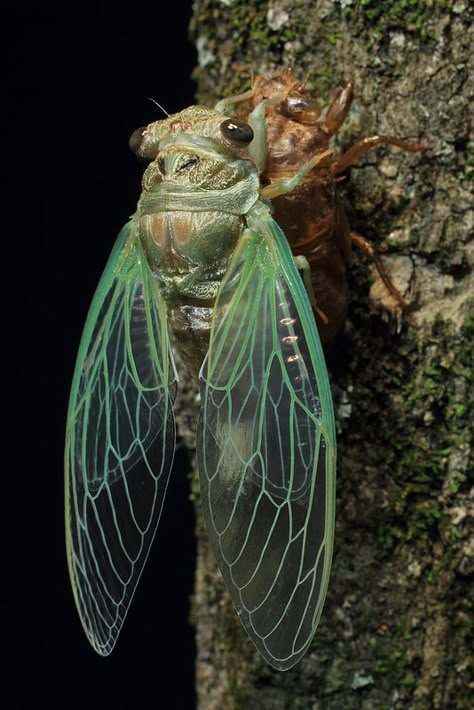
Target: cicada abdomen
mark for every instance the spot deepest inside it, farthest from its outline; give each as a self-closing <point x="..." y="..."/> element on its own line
<point x="313" y="216"/>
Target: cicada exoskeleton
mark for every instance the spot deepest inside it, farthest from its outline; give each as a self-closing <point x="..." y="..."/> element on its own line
<point x="313" y="215"/>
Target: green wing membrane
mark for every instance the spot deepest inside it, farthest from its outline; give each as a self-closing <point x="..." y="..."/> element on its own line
<point x="120" y="440"/>
<point x="266" y="447"/>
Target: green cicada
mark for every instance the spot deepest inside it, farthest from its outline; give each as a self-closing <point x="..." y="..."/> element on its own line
<point x="202" y="264"/>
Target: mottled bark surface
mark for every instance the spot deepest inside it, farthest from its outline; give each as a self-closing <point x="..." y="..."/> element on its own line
<point x="395" y="629"/>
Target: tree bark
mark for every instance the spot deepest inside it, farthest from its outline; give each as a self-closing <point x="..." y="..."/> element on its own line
<point x="395" y="628"/>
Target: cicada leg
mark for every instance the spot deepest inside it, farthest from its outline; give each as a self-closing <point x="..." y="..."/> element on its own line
<point x="281" y="187"/>
<point x="232" y="100"/>
<point x="338" y="109"/>
<point x="363" y="146"/>
<point x="368" y="248"/>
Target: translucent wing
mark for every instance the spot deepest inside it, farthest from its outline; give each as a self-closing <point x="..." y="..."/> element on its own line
<point x="119" y="440"/>
<point x="266" y="447"/>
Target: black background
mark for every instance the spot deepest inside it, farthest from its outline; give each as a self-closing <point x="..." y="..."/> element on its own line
<point x="79" y="87"/>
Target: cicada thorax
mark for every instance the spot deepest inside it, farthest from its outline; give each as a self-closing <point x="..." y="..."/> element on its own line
<point x="175" y="244"/>
<point x="195" y="193"/>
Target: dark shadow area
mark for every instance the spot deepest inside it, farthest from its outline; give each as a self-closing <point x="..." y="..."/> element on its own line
<point x="79" y="87"/>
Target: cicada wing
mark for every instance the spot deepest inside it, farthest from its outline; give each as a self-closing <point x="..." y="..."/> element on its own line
<point x="266" y="447"/>
<point x="120" y="440"/>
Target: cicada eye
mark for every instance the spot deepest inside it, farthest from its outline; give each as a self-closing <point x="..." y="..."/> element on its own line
<point x="237" y="132"/>
<point x="295" y="103"/>
<point x="297" y="107"/>
<point x="136" y="139"/>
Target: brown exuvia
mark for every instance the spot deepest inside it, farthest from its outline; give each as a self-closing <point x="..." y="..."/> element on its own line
<point x="313" y="216"/>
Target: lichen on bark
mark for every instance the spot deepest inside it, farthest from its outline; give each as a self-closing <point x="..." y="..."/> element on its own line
<point x="395" y="630"/>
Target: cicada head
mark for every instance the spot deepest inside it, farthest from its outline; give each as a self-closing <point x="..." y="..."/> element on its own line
<point x="286" y="96"/>
<point x="198" y="147"/>
<point x="208" y="128"/>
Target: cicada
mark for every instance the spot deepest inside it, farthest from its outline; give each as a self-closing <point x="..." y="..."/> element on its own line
<point x="313" y="215"/>
<point x="203" y="267"/>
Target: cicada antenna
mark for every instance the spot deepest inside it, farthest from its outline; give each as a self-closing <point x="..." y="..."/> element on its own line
<point x="159" y="106"/>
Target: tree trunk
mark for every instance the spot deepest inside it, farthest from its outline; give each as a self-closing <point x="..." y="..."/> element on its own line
<point x="395" y="628"/>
